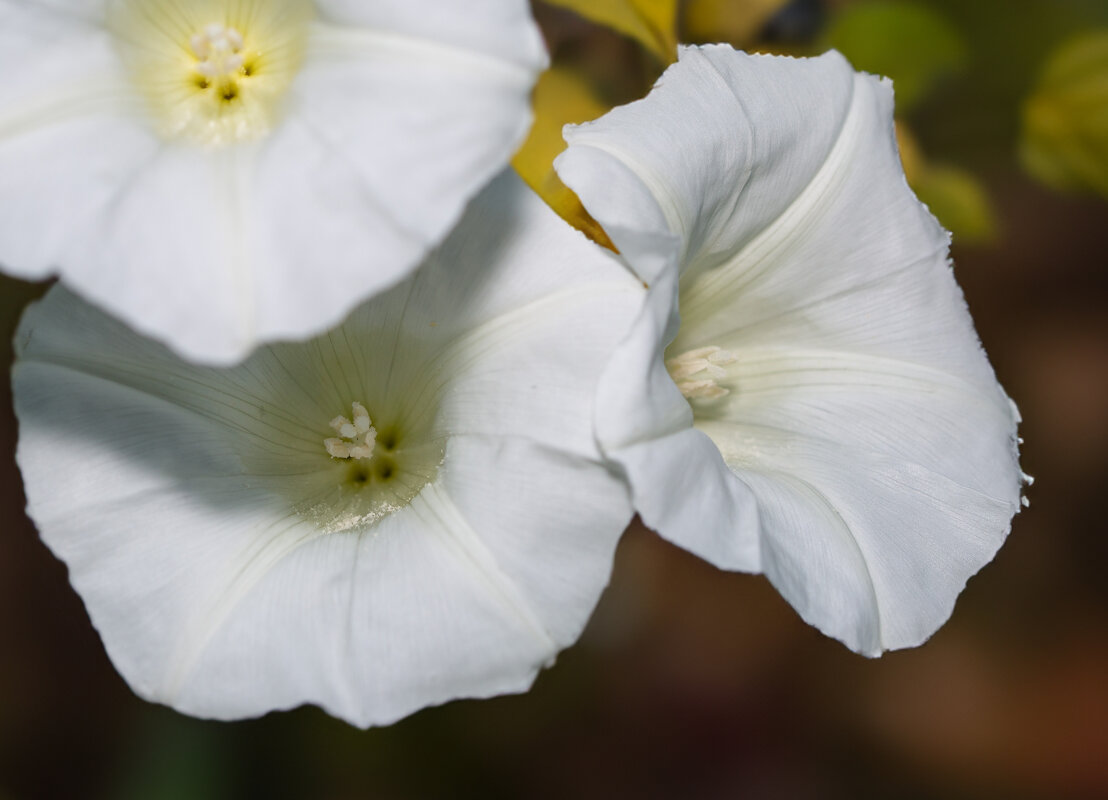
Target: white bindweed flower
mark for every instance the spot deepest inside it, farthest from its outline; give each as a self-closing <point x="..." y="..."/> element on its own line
<point x="407" y="509"/>
<point x="219" y="173"/>
<point x="804" y="394"/>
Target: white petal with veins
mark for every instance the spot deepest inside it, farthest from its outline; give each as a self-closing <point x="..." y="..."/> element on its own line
<point x="238" y="557"/>
<point x="215" y="195"/>
<point x="856" y="447"/>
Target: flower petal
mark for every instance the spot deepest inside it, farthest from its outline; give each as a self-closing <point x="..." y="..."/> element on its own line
<point x="678" y="480"/>
<point x="498" y="29"/>
<point x="862" y="415"/>
<point x="526" y="345"/>
<point x="64" y="103"/>
<point x="368" y="187"/>
<point x="726" y="161"/>
<point x="467" y="592"/>
<point x="398" y="117"/>
<point x="189" y="502"/>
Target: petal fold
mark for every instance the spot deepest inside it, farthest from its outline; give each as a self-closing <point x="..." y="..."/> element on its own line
<point x="861" y="415"/>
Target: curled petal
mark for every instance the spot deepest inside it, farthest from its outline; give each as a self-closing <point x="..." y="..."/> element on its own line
<point x="860" y="412"/>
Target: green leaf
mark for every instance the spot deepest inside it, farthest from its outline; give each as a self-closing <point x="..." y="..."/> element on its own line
<point x="906" y="41"/>
<point x="1064" y="140"/>
<point x="652" y="23"/>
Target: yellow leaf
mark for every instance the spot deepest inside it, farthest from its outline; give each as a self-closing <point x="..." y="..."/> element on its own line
<point x="736" y="21"/>
<point x="561" y="97"/>
<point x="652" y="23"/>
<point x="1065" y="121"/>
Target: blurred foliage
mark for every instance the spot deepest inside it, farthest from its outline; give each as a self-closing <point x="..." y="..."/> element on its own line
<point x="562" y="96"/>
<point x="176" y="761"/>
<point x="652" y="23"/>
<point x="976" y="117"/>
<point x="954" y="196"/>
<point x="914" y="45"/>
<point x="738" y="22"/>
<point x="917" y="47"/>
<point x="1065" y="120"/>
<point x="960" y="201"/>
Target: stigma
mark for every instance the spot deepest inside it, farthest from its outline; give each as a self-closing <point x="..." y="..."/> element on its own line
<point x="357" y="438"/>
<point x="698" y="372"/>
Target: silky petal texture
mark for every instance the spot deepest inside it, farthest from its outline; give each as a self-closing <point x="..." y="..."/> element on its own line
<point x="863" y="417"/>
<point x="185" y="500"/>
<point x="395" y="120"/>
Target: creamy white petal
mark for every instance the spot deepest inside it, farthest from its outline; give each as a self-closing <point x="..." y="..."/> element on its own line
<point x="678" y="480"/>
<point x="367" y="187"/>
<point x="495" y="29"/>
<point x="721" y="146"/>
<point x="467" y="592"/>
<point x="526" y="345"/>
<point x="392" y="124"/>
<point x="219" y="548"/>
<point x="862" y="413"/>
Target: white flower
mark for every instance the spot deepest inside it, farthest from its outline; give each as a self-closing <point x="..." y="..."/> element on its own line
<point x="828" y="416"/>
<point x="223" y="172"/>
<point x="408" y="509"/>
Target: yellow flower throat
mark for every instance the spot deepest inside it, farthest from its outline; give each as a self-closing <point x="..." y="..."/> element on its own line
<point x="213" y="72"/>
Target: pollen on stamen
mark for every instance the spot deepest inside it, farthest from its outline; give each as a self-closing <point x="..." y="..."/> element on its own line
<point x="218" y="51"/>
<point x="697" y="372"/>
<point x="356" y="439"/>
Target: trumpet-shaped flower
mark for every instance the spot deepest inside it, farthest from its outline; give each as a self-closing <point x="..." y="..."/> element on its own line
<point x="223" y="172"/>
<point x="804" y="394"/>
<point x="407" y="509"/>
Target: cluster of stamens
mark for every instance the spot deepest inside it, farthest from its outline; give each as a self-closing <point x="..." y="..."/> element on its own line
<point x="219" y="54"/>
<point x="356" y="439"/>
<point x="697" y="372"/>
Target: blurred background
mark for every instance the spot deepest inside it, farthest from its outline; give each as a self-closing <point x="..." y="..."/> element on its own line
<point x="690" y="682"/>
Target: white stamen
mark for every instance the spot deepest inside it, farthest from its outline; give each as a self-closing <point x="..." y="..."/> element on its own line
<point x="697" y="372"/>
<point x="337" y="448"/>
<point x="218" y="51"/>
<point x="201" y="47"/>
<point x="357" y="439"/>
<point x="361" y="418"/>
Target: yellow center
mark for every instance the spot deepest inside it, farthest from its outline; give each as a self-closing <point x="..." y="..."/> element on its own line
<point x="214" y="72"/>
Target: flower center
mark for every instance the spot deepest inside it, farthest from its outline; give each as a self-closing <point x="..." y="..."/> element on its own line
<point x="373" y="465"/>
<point x="212" y="72"/>
<point x="219" y="58"/>
<point x="356" y="439"/>
<point x="697" y="372"/>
